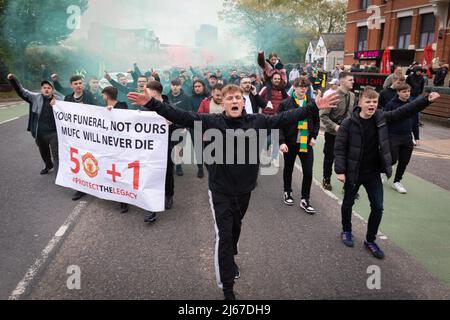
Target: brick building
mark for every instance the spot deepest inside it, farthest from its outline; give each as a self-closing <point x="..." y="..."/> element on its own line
<point x="402" y="24"/>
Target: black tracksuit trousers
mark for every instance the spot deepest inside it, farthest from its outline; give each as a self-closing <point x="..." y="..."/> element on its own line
<point x="228" y="212"/>
<point x="401" y="150"/>
<point x="170" y="185"/>
<point x="328" y="151"/>
<point x="307" y="160"/>
<point x="48" y="148"/>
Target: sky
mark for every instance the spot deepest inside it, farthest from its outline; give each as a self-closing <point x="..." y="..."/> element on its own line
<point x="174" y="21"/>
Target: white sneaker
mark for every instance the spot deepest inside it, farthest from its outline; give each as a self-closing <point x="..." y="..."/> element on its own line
<point x="304" y="204"/>
<point x="399" y="188"/>
<point x="288" y="198"/>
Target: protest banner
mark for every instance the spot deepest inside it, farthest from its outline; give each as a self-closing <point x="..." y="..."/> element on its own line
<point x="118" y="155"/>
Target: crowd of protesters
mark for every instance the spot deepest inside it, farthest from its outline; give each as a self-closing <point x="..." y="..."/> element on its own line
<point x="364" y="135"/>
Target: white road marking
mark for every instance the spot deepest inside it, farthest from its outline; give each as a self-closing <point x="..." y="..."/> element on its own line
<point x="61" y="231"/>
<point x="36" y="268"/>
<point x="9" y="120"/>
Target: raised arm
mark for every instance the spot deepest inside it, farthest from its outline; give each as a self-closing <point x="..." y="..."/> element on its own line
<point x="410" y="109"/>
<point x="59" y="87"/>
<point x="261" y="60"/>
<point x="156" y="76"/>
<point x="21" y="91"/>
<point x="197" y="74"/>
<point x="118" y="86"/>
<point x="135" y="74"/>
<point x="177" y="116"/>
<point x="260" y="102"/>
<point x="311" y="110"/>
<point x="287" y="118"/>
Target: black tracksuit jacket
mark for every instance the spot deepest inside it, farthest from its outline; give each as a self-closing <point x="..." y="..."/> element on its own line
<point x="232" y="179"/>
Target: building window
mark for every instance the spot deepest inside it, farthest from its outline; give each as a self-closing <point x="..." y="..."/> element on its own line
<point x="404" y="32"/>
<point x="362" y="38"/>
<point x="365" y="4"/>
<point x="428" y="25"/>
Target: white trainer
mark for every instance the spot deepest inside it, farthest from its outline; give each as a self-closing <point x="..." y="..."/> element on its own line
<point x="399" y="188"/>
<point x="288" y="199"/>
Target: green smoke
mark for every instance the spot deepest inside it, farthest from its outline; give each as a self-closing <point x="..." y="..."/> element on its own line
<point x="27" y="25"/>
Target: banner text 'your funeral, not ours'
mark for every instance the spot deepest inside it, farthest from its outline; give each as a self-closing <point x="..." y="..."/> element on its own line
<point x="105" y="125"/>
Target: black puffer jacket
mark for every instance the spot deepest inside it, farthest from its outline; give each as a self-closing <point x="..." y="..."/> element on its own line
<point x="348" y="149"/>
<point x="289" y="134"/>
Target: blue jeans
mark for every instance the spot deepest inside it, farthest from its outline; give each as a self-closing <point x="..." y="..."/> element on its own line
<point x="374" y="187"/>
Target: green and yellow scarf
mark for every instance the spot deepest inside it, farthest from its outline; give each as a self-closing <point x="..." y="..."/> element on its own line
<point x="303" y="132"/>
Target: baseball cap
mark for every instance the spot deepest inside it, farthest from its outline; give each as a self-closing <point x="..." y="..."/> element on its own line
<point x="47" y="82"/>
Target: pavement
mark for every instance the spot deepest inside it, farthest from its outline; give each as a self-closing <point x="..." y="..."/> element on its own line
<point x="284" y="253"/>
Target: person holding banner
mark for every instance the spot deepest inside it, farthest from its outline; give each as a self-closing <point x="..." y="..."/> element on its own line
<point x="94" y="88"/>
<point x="124" y="89"/>
<point x="110" y="98"/>
<point x="178" y="97"/>
<point x="230" y="184"/>
<point x="155" y="88"/>
<point x="78" y="95"/>
<point x="41" y="122"/>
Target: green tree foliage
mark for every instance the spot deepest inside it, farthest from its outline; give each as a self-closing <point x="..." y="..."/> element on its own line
<point x="283" y="26"/>
<point x="41" y="22"/>
<point x="319" y="16"/>
<point x="33" y="22"/>
<point x="4" y="54"/>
